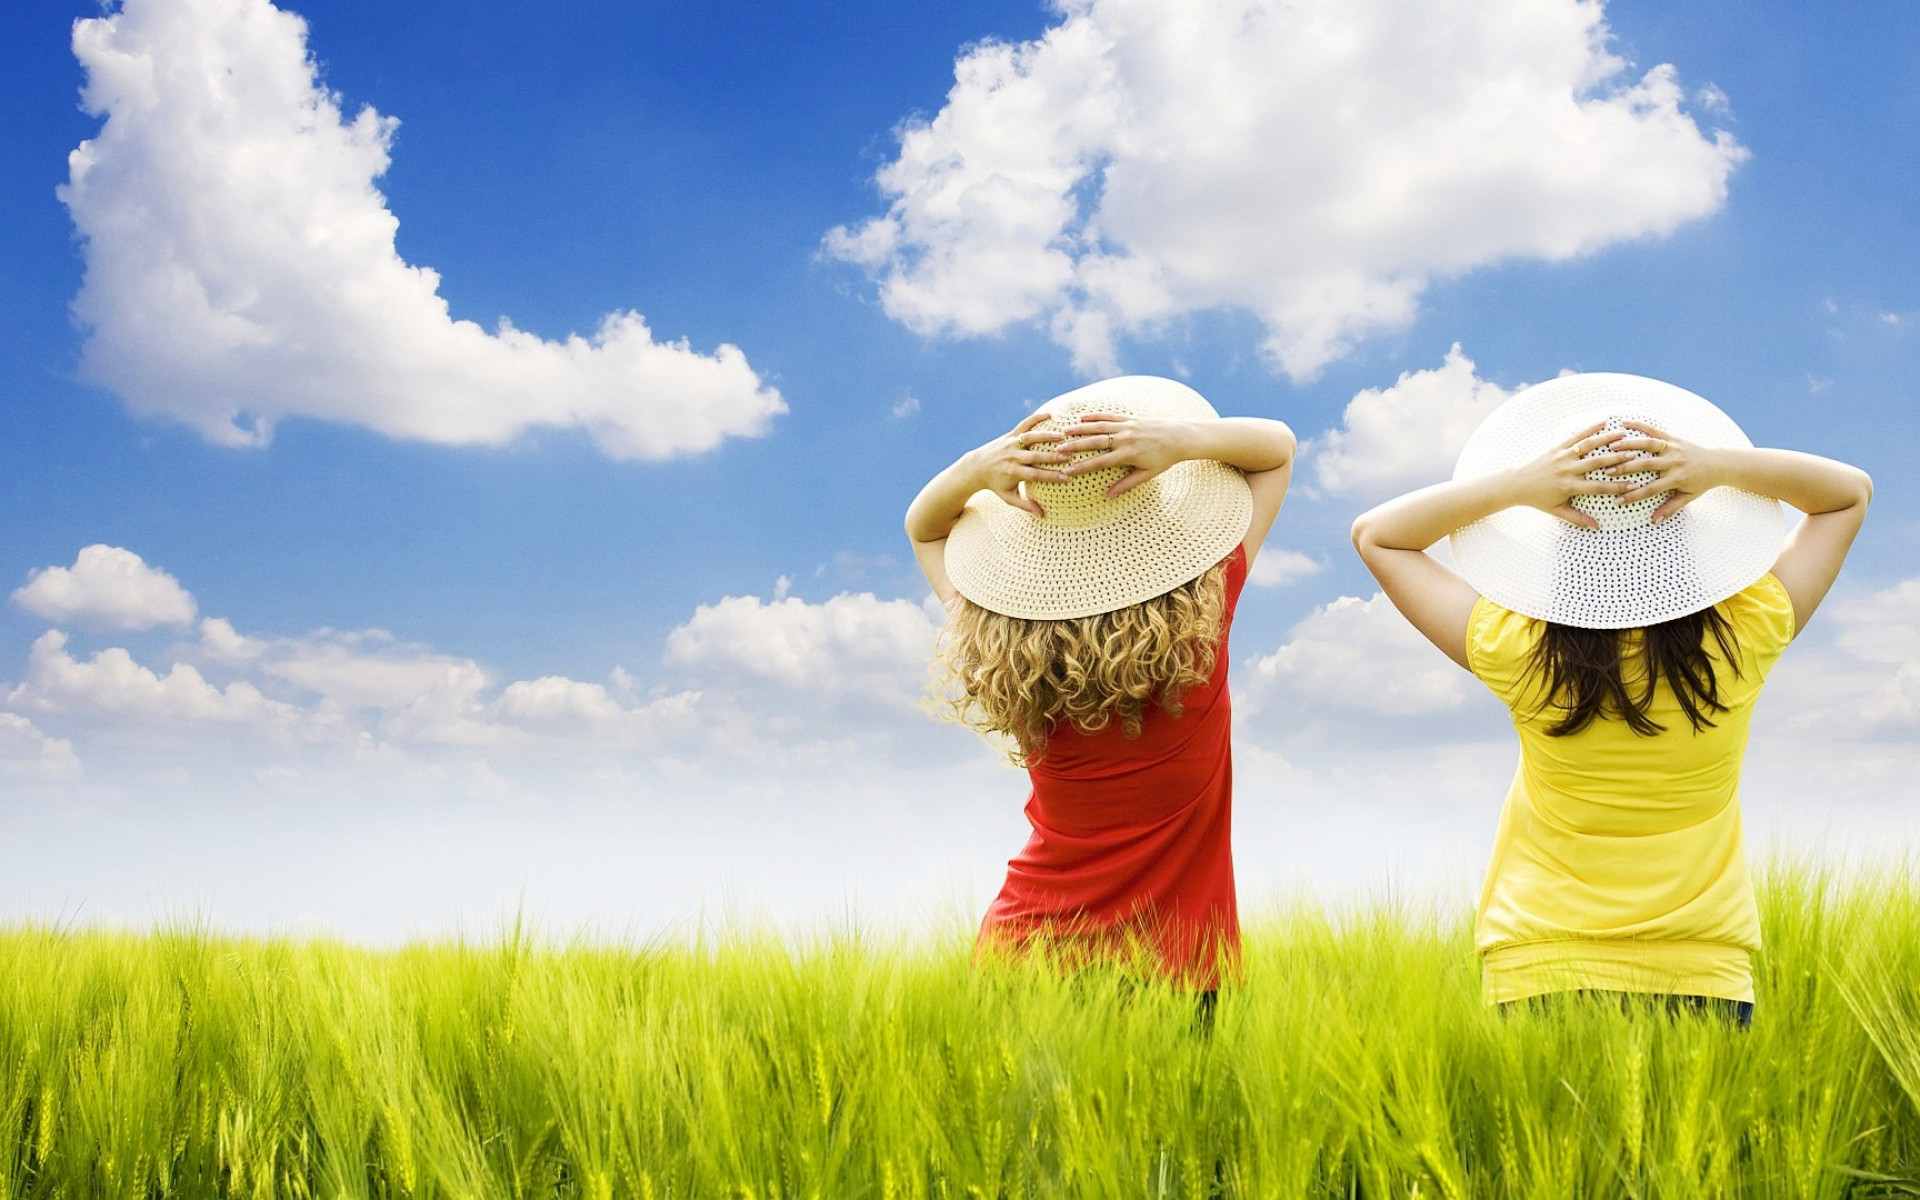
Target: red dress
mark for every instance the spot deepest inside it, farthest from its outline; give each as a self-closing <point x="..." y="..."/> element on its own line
<point x="1132" y="838"/>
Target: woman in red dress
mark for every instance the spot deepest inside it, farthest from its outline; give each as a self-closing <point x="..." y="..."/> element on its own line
<point x="1090" y="561"/>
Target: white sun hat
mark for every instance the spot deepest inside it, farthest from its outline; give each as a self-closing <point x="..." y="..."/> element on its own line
<point x="1090" y="554"/>
<point x="1629" y="572"/>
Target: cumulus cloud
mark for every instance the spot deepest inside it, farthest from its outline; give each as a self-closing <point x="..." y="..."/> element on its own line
<point x="1354" y="656"/>
<point x="28" y="754"/>
<point x="109" y="587"/>
<point x="852" y="643"/>
<point x="112" y="683"/>
<point x="749" y="684"/>
<point x="222" y="643"/>
<point x="370" y="669"/>
<point x="1860" y="679"/>
<point x="1316" y="164"/>
<point x="1276" y="567"/>
<point x="241" y="267"/>
<point x="1394" y="439"/>
<point x="1364" y="760"/>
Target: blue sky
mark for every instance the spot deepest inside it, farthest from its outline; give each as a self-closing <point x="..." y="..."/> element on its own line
<point x="1742" y="224"/>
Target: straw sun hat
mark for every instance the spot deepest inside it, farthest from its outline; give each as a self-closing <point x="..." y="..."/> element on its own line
<point x="1090" y="554"/>
<point x="1629" y="572"/>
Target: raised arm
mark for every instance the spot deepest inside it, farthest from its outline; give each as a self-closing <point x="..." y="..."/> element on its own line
<point x="1262" y="449"/>
<point x="1393" y="538"/>
<point x="1000" y="466"/>
<point x="1832" y="494"/>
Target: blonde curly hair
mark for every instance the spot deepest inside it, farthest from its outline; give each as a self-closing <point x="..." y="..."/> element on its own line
<point x="1021" y="678"/>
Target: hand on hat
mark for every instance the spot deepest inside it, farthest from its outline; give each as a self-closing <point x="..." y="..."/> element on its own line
<point x="1003" y="464"/>
<point x="1682" y="468"/>
<point x="1145" y="446"/>
<point x="1550" y="481"/>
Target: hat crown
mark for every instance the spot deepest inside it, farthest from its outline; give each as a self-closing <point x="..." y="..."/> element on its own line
<point x="1607" y="510"/>
<point x="1082" y="499"/>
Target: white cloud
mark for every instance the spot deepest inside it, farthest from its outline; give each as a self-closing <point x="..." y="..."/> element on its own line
<point x="112" y="683"/>
<point x="370" y="669"/>
<point x="28" y="754"/>
<point x="1358" y="657"/>
<point x="1406" y="436"/>
<point x="1366" y="764"/>
<point x="241" y="266"/>
<point x="557" y="700"/>
<point x="222" y="643"/>
<point x="1859" y="680"/>
<point x="1315" y="163"/>
<point x="109" y="587"/>
<point x="776" y="685"/>
<point x="1276" y="567"/>
<point x="907" y="406"/>
<point x="852" y="643"/>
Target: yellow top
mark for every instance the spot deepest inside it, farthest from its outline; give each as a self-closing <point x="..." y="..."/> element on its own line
<point x="1618" y="864"/>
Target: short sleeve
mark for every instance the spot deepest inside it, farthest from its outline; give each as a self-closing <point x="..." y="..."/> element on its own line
<point x="1499" y="646"/>
<point x="1762" y="618"/>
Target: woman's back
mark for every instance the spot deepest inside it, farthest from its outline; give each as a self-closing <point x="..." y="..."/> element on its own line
<point x="1090" y="561"/>
<point x="1594" y="504"/>
<point x="1134" y="834"/>
<point x="1108" y="756"/>
<point x="1616" y="836"/>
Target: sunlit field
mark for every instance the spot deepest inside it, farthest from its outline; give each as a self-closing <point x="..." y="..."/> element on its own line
<point x="1355" y="1059"/>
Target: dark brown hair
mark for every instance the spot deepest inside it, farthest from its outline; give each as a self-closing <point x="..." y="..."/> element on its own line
<point x="1580" y="670"/>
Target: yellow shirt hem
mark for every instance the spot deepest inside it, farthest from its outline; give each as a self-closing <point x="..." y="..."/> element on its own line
<point x="1674" y="968"/>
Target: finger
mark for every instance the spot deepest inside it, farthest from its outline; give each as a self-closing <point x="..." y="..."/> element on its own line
<point x="1098" y="463"/>
<point x="1012" y="496"/>
<point x="1573" y="516"/>
<point x="1598" y="487"/>
<point x="1597" y="441"/>
<point x="1606" y="462"/>
<point x="1583" y="435"/>
<point x="1039" y="475"/>
<point x="1674" y="504"/>
<point x="1029" y="457"/>
<point x="1132" y="479"/>
<point x="1642" y="467"/>
<point x="1034" y="437"/>
<point x="1086" y="428"/>
<point x="1651" y="488"/>
<point x="1032" y="420"/>
<point x="1100" y="441"/>
<point x="1650" y="430"/>
<point x="1643" y="463"/>
<point x="1102" y="416"/>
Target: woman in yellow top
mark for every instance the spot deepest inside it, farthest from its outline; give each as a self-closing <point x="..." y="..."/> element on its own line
<point x="1624" y="584"/>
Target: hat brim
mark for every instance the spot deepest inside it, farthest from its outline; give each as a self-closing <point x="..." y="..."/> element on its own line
<point x="1158" y="536"/>
<point x="1612" y="578"/>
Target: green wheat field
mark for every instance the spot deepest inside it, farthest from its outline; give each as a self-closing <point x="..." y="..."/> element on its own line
<point x="1355" y="1060"/>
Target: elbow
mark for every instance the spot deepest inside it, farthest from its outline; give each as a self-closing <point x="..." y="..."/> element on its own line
<point x="915" y="524"/>
<point x="1362" y="534"/>
<point x="1289" y="444"/>
<point x="1864" y="486"/>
